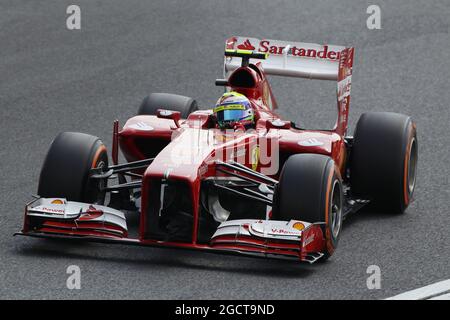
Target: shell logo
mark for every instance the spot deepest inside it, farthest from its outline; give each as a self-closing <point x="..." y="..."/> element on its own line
<point x="299" y="226"/>
<point x="57" y="201"/>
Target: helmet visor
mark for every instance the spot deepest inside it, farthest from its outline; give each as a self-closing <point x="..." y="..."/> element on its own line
<point x="231" y="115"/>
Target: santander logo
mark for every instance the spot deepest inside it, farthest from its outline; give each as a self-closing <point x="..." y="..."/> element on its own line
<point x="246" y="45"/>
<point x="266" y="46"/>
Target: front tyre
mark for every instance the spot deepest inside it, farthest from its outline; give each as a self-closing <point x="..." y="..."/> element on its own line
<point x="384" y="160"/>
<point x="65" y="172"/>
<point x="310" y="190"/>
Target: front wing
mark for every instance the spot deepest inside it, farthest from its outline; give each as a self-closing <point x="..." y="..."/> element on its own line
<point x="62" y="219"/>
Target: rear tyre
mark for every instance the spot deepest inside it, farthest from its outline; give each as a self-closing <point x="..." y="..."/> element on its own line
<point x="384" y="160"/>
<point x="174" y="102"/>
<point x="310" y="190"/>
<point x="65" y="172"/>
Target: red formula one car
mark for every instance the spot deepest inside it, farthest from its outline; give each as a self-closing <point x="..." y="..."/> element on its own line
<point x="275" y="190"/>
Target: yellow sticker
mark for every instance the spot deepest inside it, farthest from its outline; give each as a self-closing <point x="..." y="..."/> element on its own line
<point x="229" y="107"/>
<point x="255" y="158"/>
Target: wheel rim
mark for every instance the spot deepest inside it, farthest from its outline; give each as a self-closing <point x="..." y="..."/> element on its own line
<point x="336" y="209"/>
<point x="412" y="164"/>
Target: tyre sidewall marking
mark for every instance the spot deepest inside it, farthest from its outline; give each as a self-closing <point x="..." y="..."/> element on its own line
<point x="328" y="234"/>
<point x="97" y="155"/>
<point x="406" y="164"/>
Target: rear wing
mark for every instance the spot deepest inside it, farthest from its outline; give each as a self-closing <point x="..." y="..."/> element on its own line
<point x="295" y="59"/>
<point x="303" y="60"/>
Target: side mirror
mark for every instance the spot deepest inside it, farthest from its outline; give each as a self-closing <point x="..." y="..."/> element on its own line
<point x="169" y="114"/>
<point x="222" y="82"/>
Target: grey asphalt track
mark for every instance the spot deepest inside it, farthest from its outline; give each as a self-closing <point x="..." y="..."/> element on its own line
<point x="53" y="80"/>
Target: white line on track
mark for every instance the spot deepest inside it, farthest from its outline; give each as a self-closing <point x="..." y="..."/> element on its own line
<point x="436" y="291"/>
<point x="442" y="297"/>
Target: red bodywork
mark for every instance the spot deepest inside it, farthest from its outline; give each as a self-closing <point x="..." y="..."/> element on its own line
<point x="166" y="139"/>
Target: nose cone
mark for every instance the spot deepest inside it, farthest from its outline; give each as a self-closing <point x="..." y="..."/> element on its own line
<point x="191" y="149"/>
<point x="183" y="156"/>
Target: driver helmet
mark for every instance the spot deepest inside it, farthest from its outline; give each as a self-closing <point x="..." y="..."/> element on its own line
<point x="233" y="109"/>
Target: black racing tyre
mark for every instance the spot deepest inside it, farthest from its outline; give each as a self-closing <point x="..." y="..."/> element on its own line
<point x="65" y="172"/>
<point x="384" y="160"/>
<point x="174" y="102"/>
<point x="310" y="189"/>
